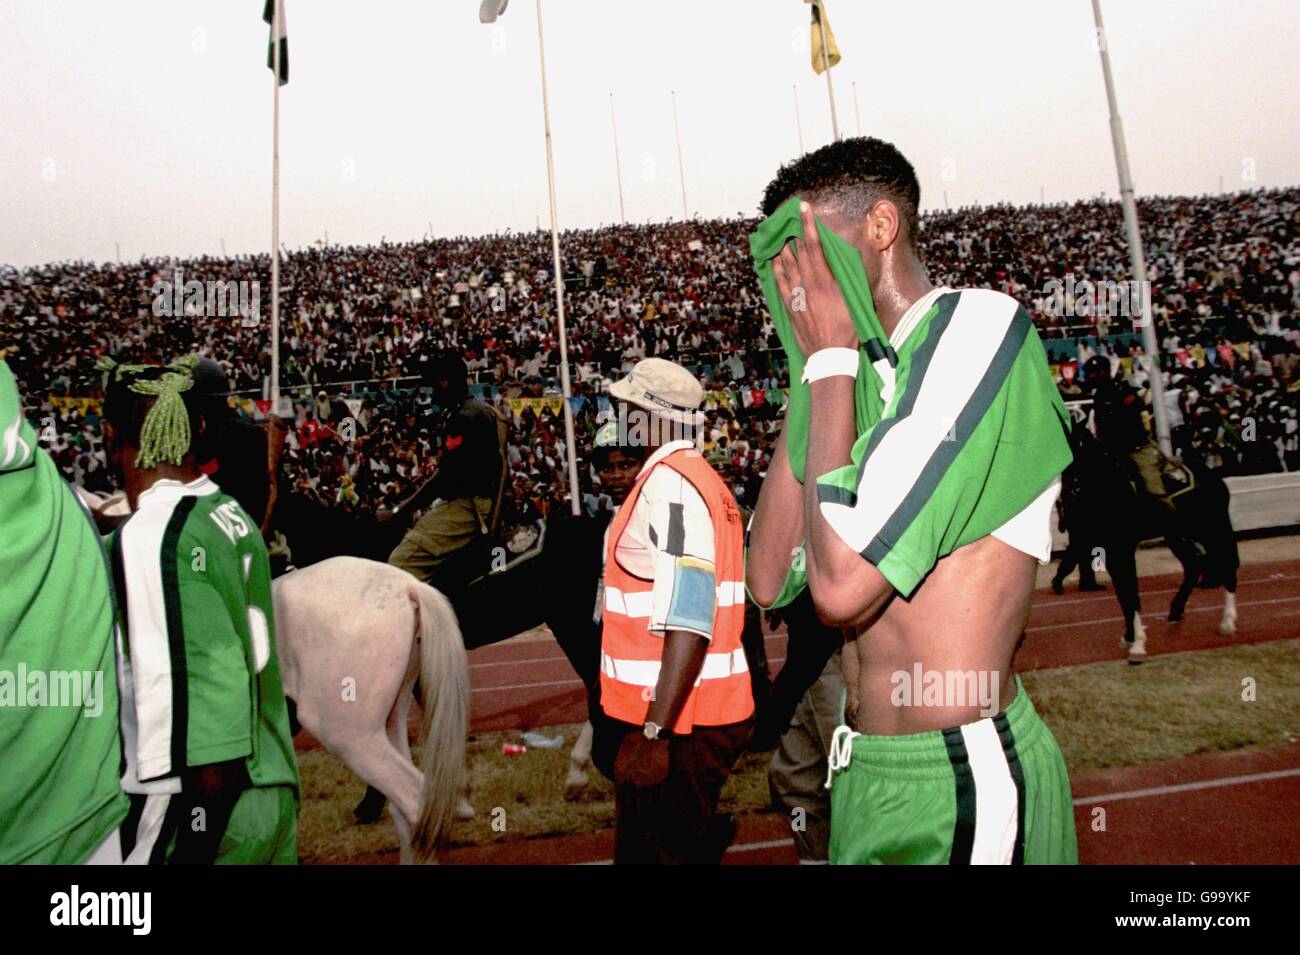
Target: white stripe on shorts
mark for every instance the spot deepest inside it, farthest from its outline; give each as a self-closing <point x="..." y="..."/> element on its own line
<point x="151" y="821"/>
<point x="995" y="795"/>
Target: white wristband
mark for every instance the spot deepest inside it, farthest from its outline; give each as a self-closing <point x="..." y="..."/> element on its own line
<point x="830" y="362"/>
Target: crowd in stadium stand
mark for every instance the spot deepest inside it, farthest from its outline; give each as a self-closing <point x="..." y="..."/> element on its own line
<point x="357" y="322"/>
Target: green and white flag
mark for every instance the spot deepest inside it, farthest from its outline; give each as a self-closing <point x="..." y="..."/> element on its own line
<point x="269" y="15"/>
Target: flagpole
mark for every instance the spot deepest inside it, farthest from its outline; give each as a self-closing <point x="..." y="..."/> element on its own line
<point x="798" y="126"/>
<point x="826" y="64"/>
<point x="618" y="166"/>
<point x="1137" y="261"/>
<point x="856" y="115"/>
<point x="275" y="214"/>
<point x="681" y="169"/>
<point x="570" y="444"/>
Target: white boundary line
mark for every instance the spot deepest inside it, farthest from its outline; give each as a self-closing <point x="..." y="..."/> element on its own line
<point x="1090" y="801"/>
<point x="1095" y="621"/>
<point x="1187" y="787"/>
<point x="1110" y="592"/>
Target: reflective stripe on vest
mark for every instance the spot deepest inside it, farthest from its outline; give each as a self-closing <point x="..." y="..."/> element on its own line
<point x="631" y="654"/>
<point x="646" y="672"/>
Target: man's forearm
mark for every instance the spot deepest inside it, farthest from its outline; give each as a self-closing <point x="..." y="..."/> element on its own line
<point x="680" y="665"/>
<point x="846" y="589"/>
<point x="777" y="530"/>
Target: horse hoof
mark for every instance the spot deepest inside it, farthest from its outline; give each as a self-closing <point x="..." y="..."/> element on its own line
<point x="463" y="809"/>
<point x="1137" y="651"/>
<point x="575" y="785"/>
<point x="1175" y="617"/>
<point x="1227" y="626"/>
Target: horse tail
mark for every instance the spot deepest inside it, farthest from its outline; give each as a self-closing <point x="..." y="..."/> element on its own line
<point x="444" y="684"/>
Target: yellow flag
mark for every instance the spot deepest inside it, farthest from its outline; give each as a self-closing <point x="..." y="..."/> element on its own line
<point x="832" y="51"/>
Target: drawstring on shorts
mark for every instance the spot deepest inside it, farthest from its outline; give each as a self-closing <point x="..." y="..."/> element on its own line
<point x="841" y="752"/>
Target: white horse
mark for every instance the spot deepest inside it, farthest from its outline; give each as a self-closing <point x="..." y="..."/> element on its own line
<point x="353" y="635"/>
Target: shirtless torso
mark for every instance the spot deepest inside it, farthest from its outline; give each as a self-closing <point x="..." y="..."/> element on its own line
<point x="961" y="626"/>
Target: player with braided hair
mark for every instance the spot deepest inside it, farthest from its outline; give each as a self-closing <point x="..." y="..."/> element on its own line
<point x="208" y="754"/>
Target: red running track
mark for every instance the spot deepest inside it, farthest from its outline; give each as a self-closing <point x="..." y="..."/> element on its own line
<point x="1208" y="809"/>
<point x="527" y="685"/>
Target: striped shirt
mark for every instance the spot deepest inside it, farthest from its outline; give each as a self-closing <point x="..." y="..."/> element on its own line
<point x="668" y="538"/>
<point x="970" y="441"/>
<point x="198" y="669"/>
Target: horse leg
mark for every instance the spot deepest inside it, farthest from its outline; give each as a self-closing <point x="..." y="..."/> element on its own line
<point x="579" y="760"/>
<point x="1120" y="561"/>
<point x="1191" y="573"/>
<point x="376" y="760"/>
<point x="371" y="806"/>
<point x="1228" y="622"/>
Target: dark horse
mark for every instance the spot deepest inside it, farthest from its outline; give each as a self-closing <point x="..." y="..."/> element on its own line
<point x="555" y="583"/>
<point x="1118" y="518"/>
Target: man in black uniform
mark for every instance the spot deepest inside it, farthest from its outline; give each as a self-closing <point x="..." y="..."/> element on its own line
<point x="1117" y="416"/>
<point x="465" y="489"/>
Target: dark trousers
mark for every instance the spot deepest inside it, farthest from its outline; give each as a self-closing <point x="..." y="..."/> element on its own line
<point x="673" y="823"/>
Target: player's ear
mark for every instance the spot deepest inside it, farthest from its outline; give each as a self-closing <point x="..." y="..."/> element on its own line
<point x="882" y="226"/>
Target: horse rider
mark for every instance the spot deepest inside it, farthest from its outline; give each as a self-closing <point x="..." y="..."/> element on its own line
<point x="465" y="492"/>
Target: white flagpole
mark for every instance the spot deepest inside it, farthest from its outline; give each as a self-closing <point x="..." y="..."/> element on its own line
<point x="570" y="444"/>
<point x="798" y="126"/>
<point x="856" y="115"/>
<point x="1136" y="259"/>
<point x="618" y="166"/>
<point x="681" y="170"/>
<point x="275" y="216"/>
<point x="826" y="64"/>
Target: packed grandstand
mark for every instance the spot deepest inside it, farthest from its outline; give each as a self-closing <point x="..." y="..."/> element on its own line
<point x="356" y="321"/>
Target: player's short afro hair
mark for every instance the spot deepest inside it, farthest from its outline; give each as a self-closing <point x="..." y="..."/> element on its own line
<point x="854" y="174"/>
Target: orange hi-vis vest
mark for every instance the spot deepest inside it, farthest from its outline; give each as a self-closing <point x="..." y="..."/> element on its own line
<point x="630" y="654"/>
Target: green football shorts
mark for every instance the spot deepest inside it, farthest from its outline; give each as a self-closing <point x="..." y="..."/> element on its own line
<point x="992" y="792"/>
<point x="263" y="828"/>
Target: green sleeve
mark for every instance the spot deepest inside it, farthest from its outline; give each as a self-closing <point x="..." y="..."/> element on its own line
<point x="796" y="579"/>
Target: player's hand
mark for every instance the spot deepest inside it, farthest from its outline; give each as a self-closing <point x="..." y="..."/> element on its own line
<point x="641" y="762"/>
<point x="818" y="313"/>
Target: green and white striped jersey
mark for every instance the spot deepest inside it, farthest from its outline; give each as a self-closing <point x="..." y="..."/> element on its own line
<point x="968" y="439"/>
<point x="198" y="668"/>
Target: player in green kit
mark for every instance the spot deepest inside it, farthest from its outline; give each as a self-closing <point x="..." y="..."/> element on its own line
<point x="60" y="802"/>
<point x="911" y="491"/>
<point x="205" y="726"/>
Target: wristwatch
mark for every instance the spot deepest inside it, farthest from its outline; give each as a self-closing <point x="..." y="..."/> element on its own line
<point x="654" y="731"/>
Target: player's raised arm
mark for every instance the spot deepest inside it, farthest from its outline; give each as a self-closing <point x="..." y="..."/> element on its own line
<point x="846" y="589"/>
<point x="776" y="531"/>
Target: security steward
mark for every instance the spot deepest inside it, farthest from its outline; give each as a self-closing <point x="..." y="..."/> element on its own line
<point x="673" y="670"/>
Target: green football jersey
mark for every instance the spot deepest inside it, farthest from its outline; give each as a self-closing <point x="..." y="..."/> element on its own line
<point x="59" y="743"/>
<point x="964" y="434"/>
<point x="200" y="675"/>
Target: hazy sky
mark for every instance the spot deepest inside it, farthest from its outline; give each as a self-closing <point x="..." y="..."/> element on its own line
<point x="148" y="122"/>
